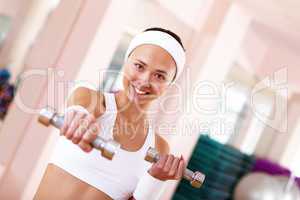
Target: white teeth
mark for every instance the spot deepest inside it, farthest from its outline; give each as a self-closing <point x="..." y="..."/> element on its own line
<point x="139" y="91"/>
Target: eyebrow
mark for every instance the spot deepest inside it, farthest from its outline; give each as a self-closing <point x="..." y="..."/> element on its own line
<point x="141" y="62"/>
<point x="161" y="71"/>
<point x="158" y="70"/>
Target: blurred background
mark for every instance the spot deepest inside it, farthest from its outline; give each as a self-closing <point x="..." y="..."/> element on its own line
<point x="234" y="112"/>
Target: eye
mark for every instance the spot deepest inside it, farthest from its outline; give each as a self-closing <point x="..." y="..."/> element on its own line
<point x="160" y="77"/>
<point x="138" y="66"/>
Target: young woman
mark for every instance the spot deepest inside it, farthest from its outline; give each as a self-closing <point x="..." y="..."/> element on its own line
<point x="154" y="59"/>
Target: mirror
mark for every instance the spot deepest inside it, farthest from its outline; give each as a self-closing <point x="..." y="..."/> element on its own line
<point x="5" y="26"/>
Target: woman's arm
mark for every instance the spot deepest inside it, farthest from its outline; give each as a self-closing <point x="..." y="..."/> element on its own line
<point x="168" y="167"/>
<point x="91" y="100"/>
<point x="84" y="106"/>
<point x="161" y="145"/>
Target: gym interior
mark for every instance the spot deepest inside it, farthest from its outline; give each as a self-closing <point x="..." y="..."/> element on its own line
<point x="232" y="113"/>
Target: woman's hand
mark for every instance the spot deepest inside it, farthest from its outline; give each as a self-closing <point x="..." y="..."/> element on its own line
<point x="168" y="167"/>
<point x="81" y="128"/>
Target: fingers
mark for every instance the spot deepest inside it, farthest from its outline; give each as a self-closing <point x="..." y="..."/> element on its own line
<point x="74" y="124"/>
<point x="174" y="167"/>
<point x="169" y="162"/>
<point x="168" y="167"/>
<point x="91" y="133"/>
<point x="89" y="136"/>
<point x="180" y="169"/>
<point x="161" y="162"/>
<point x="67" y="120"/>
<point x="82" y="128"/>
<point x="157" y="168"/>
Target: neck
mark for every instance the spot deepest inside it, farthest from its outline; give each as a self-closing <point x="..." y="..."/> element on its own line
<point x="131" y="111"/>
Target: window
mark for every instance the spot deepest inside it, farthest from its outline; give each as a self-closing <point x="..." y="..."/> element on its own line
<point x="113" y="78"/>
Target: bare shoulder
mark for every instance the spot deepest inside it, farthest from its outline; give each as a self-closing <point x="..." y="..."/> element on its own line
<point x="161" y="144"/>
<point x="90" y="99"/>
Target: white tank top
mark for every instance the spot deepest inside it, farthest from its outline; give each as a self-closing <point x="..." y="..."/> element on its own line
<point x="118" y="177"/>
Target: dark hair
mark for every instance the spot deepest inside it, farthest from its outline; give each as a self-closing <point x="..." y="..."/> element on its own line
<point x="174" y="35"/>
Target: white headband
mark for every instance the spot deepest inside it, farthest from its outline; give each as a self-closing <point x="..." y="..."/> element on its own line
<point x="165" y="41"/>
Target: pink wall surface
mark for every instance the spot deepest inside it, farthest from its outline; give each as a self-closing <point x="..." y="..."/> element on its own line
<point x="282" y="52"/>
<point x="16" y="9"/>
<point x="11" y="7"/>
<point x="57" y="47"/>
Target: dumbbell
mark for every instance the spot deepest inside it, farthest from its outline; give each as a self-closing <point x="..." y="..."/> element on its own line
<point x="49" y="116"/>
<point x="196" y="179"/>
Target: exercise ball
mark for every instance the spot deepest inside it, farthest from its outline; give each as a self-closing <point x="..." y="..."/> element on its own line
<point x="261" y="186"/>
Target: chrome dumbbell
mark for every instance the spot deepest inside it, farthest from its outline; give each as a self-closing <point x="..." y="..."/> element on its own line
<point x="49" y="116"/>
<point x="196" y="179"/>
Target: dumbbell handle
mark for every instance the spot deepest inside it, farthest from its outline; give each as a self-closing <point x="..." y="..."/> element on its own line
<point x="49" y="116"/>
<point x="196" y="179"/>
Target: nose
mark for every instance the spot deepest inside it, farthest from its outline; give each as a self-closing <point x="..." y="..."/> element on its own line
<point x="144" y="79"/>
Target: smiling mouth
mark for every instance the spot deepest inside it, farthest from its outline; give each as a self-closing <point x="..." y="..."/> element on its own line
<point x="140" y="92"/>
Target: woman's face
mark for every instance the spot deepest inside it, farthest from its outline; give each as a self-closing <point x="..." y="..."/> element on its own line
<point x="148" y="72"/>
